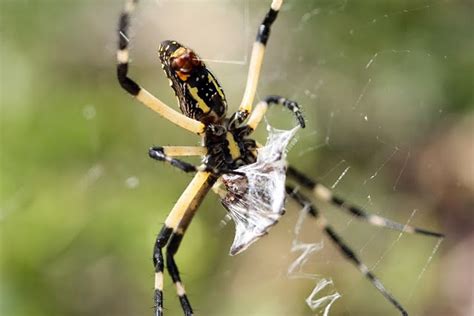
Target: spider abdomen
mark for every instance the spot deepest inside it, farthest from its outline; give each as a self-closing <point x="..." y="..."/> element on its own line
<point x="204" y="99"/>
<point x="199" y="94"/>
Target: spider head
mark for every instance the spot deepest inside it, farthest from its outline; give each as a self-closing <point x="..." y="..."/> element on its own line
<point x="199" y="94"/>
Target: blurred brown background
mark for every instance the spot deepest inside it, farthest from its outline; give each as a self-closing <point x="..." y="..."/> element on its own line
<point x="387" y="92"/>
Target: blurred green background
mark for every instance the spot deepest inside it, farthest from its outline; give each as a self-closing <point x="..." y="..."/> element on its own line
<point x="387" y="91"/>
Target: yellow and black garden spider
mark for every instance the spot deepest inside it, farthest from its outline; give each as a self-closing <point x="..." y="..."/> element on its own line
<point x="227" y="151"/>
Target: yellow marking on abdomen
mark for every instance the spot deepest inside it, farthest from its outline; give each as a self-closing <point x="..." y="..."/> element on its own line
<point x="233" y="146"/>
<point x="182" y="75"/>
<point x="200" y="102"/>
<point x="218" y="88"/>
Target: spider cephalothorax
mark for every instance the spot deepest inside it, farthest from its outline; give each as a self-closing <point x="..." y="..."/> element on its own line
<point x="228" y="148"/>
<point x="255" y="180"/>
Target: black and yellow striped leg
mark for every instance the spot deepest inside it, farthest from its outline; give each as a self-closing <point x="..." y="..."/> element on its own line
<point x="158" y="262"/>
<point x="262" y="107"/>
<point x="122" y="54"/>
<point x="174" y="272"/>
<point x="134" y="88"/>
<point x="173" y="239"/>
<point x="172" y="233"/>
<point x="161" y="154"/>
<point x="256" y="61"/>
<point x="177" y="237"/>
<point x="342" y="246"/>
<point x="324" y="194"/>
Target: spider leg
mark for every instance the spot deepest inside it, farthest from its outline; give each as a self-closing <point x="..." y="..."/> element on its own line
<point x="161" y="154"/>
<point x="184" y="150"/>
<point x="172" y="249"/>
<point x="342" y="246"/>
<point x="262" y="107"/>
<point x="256" y="60"/>
<point x="171" y="234"/>
<point x="134" y="88"/>
<point x="323" y="193"/>
<point x="160" y="242"/>
<point x="166" y="153"/>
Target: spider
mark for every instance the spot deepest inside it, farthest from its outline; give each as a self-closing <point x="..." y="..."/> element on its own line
<point x="226" y="151"/>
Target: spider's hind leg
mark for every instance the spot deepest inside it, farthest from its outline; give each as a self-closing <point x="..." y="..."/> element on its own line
<point x="342" y="246"/>
<point x="256" y="60"/>
<point x="134" y="89"/>
<point x="324" y="194"/>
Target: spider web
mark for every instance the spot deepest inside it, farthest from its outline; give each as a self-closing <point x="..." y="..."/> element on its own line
<point x="369" y="93"/>
<point x="369" y="108"/>
<point x="335" y="104"/>
<point x="339" y="119"/>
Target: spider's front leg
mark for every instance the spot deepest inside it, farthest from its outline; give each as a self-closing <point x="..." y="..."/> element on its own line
<point x="171" y="251"/>
<point x="172" y="233"/>
<point x="158" y="262"/>
<point x="324" y="194"/>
